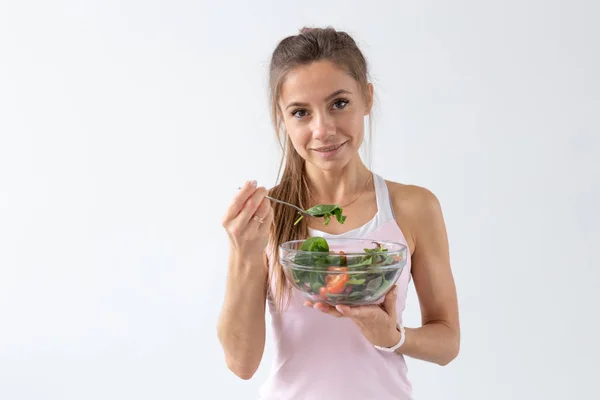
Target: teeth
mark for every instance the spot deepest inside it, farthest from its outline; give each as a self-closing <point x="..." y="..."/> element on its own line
<point x="330" y="148"/>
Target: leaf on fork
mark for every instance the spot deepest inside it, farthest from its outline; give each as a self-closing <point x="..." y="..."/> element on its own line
<point x="325" y="211"/>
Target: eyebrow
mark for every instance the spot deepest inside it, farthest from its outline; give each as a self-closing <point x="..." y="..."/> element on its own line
<point x="332" y="95"/>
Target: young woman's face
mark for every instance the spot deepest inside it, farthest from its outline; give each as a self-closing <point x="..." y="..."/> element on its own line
<point x="323" y="111"/>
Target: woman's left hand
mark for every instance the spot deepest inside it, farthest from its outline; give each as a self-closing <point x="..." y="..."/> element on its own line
<point x="376" y="322"/>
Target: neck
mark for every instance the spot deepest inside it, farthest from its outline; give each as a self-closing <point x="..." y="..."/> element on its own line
<point x="337" y="186"/>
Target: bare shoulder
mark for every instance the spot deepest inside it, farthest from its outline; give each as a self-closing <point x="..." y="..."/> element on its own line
<point x="414" y="207"/>
<point x="412" y="200"/>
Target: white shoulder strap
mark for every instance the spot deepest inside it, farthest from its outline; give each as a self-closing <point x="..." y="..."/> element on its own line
<point x="384" y="203"/>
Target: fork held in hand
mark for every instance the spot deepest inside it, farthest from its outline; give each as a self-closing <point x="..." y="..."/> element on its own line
<point x="301" y="211"/>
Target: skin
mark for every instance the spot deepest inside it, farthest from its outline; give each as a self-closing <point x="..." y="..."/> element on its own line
<point x="321" y="105"/>
<point x="241" y="325"/>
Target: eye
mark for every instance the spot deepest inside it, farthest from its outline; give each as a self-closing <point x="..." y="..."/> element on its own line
<point x="340" y="103"/>
<point x="299" y="113"/>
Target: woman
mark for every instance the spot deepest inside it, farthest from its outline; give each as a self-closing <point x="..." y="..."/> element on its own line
<point x="320" y="98"/>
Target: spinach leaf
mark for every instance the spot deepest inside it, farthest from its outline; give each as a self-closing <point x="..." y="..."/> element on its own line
<point x="355" y="295"/>
<point x="338" y="215"/>
<point x="316" y="244"/>
<point x="361" y="262"/>
<point x="374" y="284"/>
<point x="322" y="209"/>
<point x="315" y="286"/>
<point x="355" y="281"/>
<point x="325" y="211"/>
<point x="379" y="255"/>
<point x="378" y="248"/>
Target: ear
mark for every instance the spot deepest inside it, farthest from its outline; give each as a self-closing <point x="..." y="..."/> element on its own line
<point x="369" y="99"/>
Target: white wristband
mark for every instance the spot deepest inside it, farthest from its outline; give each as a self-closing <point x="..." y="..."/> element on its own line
<point x="397" y="345"/>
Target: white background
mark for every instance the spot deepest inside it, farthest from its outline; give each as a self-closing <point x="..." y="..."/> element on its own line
<point x="127" y="126"/>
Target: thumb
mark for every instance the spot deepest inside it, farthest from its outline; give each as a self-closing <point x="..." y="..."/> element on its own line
<point x="389" y="303"/>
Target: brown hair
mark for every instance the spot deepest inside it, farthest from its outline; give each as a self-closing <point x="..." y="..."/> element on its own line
<point x="310" y="45"/>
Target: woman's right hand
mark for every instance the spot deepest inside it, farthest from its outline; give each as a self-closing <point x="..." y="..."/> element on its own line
<point x="248" y="219"/>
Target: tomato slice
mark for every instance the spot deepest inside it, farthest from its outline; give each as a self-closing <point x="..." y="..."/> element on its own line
<point x="336" y="281"/>
<point x="336" y="285"/>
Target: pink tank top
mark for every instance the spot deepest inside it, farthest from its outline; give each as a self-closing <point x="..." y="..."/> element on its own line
<point x="320" y="357"/>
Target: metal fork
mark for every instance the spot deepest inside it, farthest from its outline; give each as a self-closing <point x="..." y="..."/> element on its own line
<point x="301" y="211"/>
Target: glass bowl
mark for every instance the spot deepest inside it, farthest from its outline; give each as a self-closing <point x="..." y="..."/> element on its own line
<point x="342" y="270"/>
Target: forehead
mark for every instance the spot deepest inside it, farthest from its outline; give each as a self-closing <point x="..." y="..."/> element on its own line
<point x="316" y="81"/>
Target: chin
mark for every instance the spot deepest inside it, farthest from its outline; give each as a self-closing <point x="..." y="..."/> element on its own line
<point x="336" y="164"/>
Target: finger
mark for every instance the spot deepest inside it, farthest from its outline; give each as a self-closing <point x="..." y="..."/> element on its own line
<point x="264" y="211"/>
<point x="389" y="303"/>
<point x="270" y="215"/>
<point x="327" y="309"/>
<point x="239" y="200"/>
<point x="358" y="313"/>
<point x="348" y="311"/>
<point x="251" y="205"/>
<point x="267" y="221"/>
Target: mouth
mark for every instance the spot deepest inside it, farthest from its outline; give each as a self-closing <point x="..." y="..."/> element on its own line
<point x="327" y="149"/>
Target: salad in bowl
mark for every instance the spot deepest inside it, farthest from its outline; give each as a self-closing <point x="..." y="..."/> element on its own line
<point x="342" y="270"/>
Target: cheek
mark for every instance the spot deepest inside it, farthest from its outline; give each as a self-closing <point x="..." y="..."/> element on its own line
<point x="299" y="136"/>
<point x="353" y="126"/>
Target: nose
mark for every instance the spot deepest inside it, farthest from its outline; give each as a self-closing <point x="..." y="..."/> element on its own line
<point x="323" y="126"/>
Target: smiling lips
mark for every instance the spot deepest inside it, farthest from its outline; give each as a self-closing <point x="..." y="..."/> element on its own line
<point x="329" y="152"/>
<point x="329" y="148"/>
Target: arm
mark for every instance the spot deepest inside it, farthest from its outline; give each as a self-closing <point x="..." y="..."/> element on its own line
<point x="438" y="339"/>
<point x="241" y="325"/>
